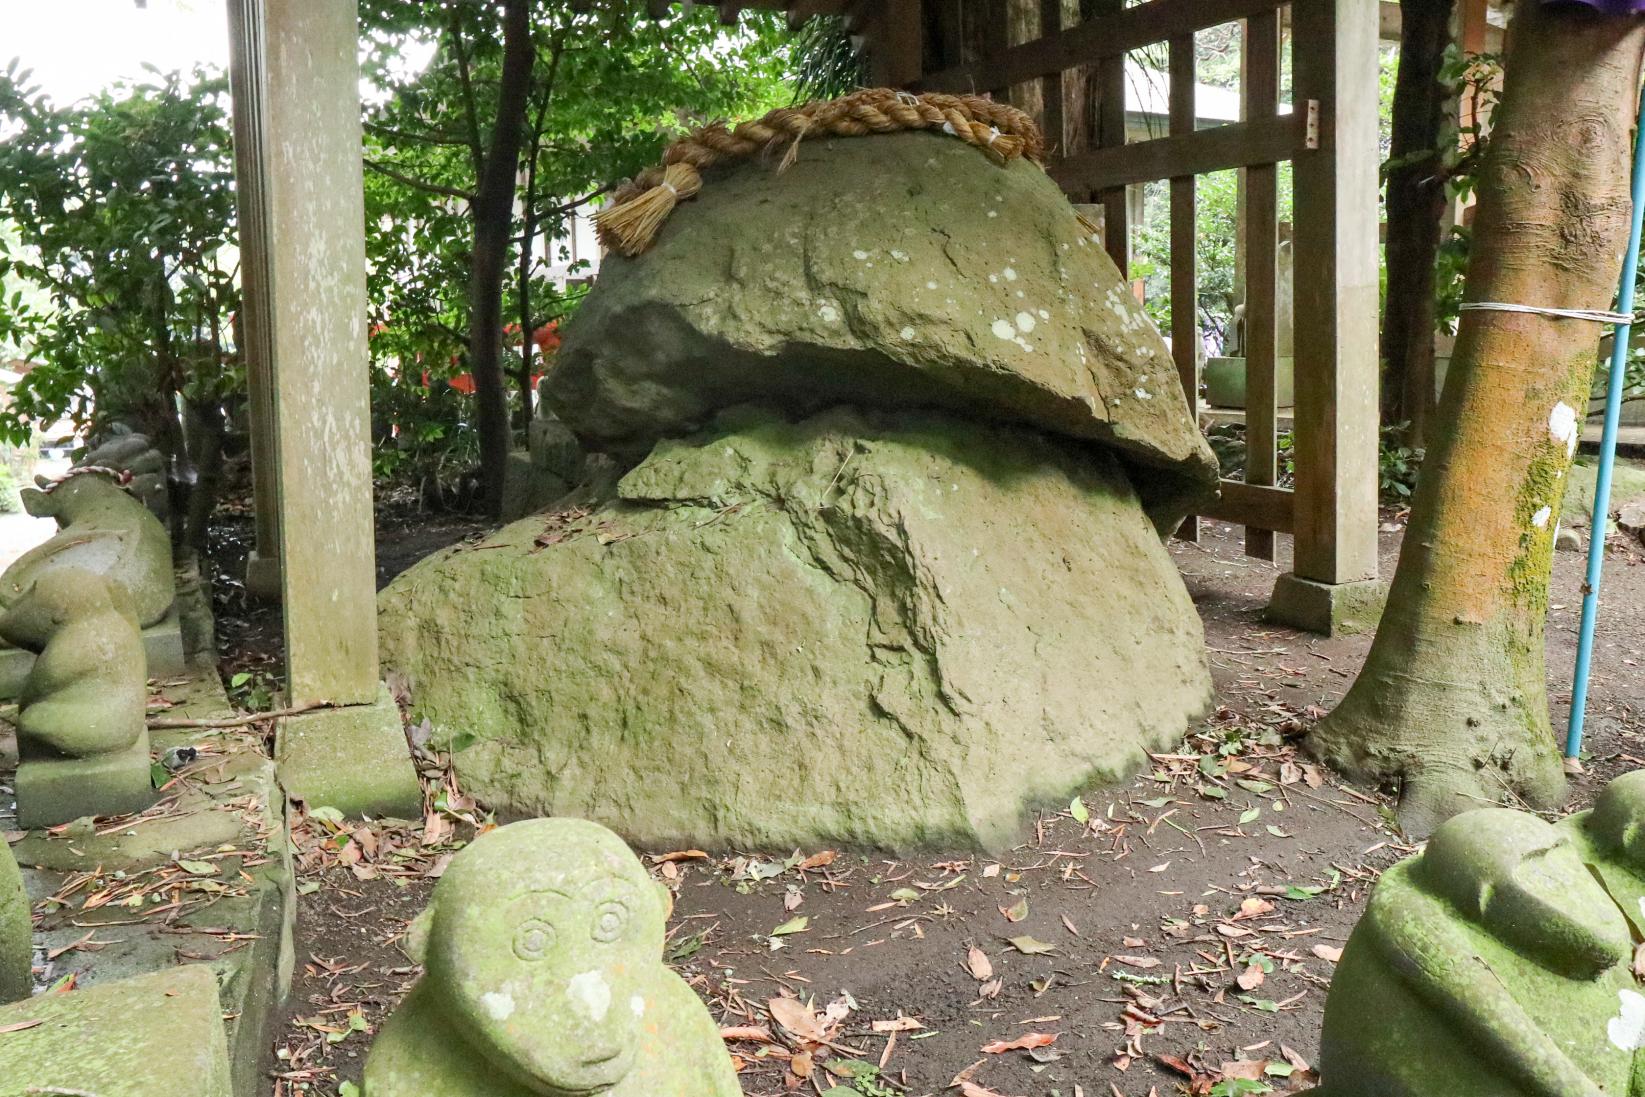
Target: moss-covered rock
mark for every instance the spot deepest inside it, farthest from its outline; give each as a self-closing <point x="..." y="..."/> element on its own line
<point x="902" y="271"/>
<point x="878" y="629"/>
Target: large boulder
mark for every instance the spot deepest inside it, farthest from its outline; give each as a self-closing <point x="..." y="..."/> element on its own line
<point x="900" y="271"/>
<point x="889" y="629"/>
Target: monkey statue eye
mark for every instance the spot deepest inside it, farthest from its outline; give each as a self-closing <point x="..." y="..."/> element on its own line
<point x="610" y="919"/>
<point x="533" y="939"/>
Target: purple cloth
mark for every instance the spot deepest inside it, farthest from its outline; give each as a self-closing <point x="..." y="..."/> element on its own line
<point x="1608" y="7"/>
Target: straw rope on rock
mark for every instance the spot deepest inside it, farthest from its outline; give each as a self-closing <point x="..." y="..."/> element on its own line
<point x="640" y="206"/>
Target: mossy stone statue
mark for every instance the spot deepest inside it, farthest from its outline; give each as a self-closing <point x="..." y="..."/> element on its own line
<point x="101" y="529"/>
<point x="545" y="978"/>
<point x="16" y="932"/>
<point x="81" y="737"/>
<point x="1498" y="962"/>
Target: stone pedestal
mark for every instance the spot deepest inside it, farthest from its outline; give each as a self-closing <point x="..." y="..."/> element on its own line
<point x="59" y="790"/>
<point x="352" y="758"/>
<point x="1330" y="609"/>
<point x="263" y="577"/>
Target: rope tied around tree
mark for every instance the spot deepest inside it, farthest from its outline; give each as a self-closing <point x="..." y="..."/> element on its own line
<point x="641" y="206"/>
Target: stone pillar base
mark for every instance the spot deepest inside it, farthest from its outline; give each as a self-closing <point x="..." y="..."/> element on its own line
<point x="1331" y="609"/>
<point x="60" y="790"/>
<point x="263" y="576"/>
<point x="354" y="759"/>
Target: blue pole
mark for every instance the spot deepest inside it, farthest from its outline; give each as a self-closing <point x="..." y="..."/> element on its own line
<point x="1607" y="456"/>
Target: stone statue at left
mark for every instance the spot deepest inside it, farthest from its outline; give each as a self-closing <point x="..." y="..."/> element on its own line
<point x="101" y="529"/>
<point x="545" y="978"/>
<point x="81" y="735"/>
<point x="16" y="932"/>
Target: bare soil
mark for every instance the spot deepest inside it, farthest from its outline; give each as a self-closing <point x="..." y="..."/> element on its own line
<point x="1182" y="932"/>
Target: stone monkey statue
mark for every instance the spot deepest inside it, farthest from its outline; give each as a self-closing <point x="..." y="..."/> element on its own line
<point x="81" y="733"/>
<point x="1498" y="962"/>
<point x="103" y="530"/>
<point x="543" y="949"/>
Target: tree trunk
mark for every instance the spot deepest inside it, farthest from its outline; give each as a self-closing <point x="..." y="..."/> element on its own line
<point x="493" y="218"/>
<point x="1416" y="205"/>
<point x="1452" y="703"/>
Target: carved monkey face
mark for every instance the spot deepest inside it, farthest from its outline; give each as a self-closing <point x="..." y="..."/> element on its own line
<point x="547" y="935"/>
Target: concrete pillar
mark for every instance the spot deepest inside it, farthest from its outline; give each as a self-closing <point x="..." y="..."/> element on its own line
<point x="1334" y="585"/>
<point x="302" y="173"/>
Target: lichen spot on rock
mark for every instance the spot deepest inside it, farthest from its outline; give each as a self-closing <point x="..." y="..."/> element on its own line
<point x="1627" y="1029"/>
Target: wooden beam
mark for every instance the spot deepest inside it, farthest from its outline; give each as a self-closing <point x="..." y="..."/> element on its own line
<point x="1260" y="99"/>
<point x="1184" y="261"/>
<point x="1336" y="294"/>
<point x="896" y="44"/>
<point x="1254" y="505"/>
<point x="1236" y="145"/>
<point x="1103" y="36"/>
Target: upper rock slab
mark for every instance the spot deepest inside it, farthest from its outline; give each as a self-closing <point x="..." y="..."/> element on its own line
<point x="893" y="271"/>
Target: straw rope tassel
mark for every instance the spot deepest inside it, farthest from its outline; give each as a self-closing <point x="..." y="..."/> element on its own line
<point x="640" y="206"/>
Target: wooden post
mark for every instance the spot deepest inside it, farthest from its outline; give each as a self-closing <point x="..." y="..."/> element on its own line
<point x="1185" y="335"/>
<point x="1333" y="584"/>
<point x="1260" y="99"/>
<point x="1052" y="91"/>
<point x="307" y="169"/>
<point x="897" y="57"/>
<point x="245" y="76"/>
<point x="1116" y="217"/>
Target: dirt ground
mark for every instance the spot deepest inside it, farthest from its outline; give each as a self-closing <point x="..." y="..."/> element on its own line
<point x="1152" y="938"/>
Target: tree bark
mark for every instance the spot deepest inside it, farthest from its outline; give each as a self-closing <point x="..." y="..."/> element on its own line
<point x="1451" y="706"/>
<point x="1416" y="205"/>
<point x="493" y="218"/>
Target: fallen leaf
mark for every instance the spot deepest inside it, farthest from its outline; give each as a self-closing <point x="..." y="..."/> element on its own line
<point x="1251" y="978"/>
<point x="793" y="925"/>
<point x="1249" y="1069"/>
<point x="978" y="964"/>
<point x="1328" y="953"/>
<point x="899" y="1024"/>
<point x="1030" y="947"/>
<point x="796" y="1017"/>
<point x="1021" y="1043"/>
<point x="1144" y="962"/>
<point x="817" y="860"/>
<point x="680" y="855"/>
<point x="1017" y="911"/>
<point x="19" y="1026"/>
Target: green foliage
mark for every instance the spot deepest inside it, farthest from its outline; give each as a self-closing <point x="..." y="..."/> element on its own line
<point x="825" y="62"/>
<point x="121" y="213"/>
<point x="1397" y="465"/>
<point x="609" y="88"/>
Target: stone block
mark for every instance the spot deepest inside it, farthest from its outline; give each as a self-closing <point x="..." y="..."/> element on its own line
<point x="543" y="950"/>
<point x="354" y="758"/>
<point x="158" y="1035"/>
<point x="59" y="790"/>
<point x="1330" y="609"/>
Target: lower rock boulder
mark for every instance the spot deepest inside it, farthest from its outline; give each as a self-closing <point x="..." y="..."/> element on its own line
<point x="886" y="630"/>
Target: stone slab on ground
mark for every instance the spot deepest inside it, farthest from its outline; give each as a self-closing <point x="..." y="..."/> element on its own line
<point x="155" y="1035"/>
<point x="162" y="644"/>
<point x="53" y="791"/>
<point x="889" y="630"/>
<point x="204" y="874"/>
<point x="1329" y="609"/>
<point x="352" y="758"/>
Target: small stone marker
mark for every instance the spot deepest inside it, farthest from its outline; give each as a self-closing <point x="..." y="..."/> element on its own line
<point x="543" y="948"/>
<point x="1497" y="963"/>
<point x="16" y="932"/>
<point x="157" y="1035"/>
<point x="81" y="737"/>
